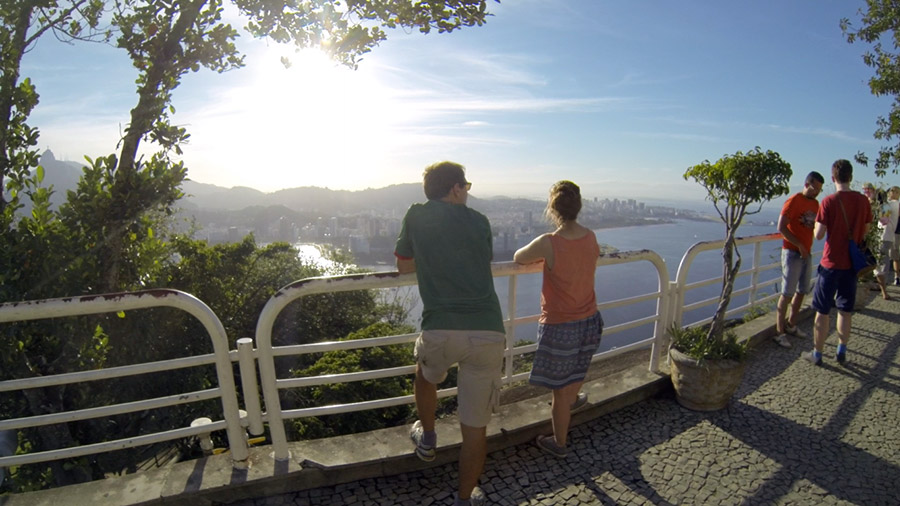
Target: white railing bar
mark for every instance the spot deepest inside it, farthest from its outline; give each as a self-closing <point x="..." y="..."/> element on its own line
<point x="520" y="376"/>
<point x="349" y="377"/>
<point x="348" y="408"/>
<point x="700" y="284"/>
<point x="629" y="300"/>
<point x="614" y="329"/>
<point x="107" y="411"/>
<point x="102" y="374"/>
<point x="619" y="350"/>
<point x="108" y="446"/>
<point x="369" y="342"/>
<point x="699" y="304"/>
<point x="525" y="320"/>
<point x="521" y="350"/>
<point x="336" y="409"/>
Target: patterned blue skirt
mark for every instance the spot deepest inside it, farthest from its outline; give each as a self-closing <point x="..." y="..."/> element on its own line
<point x="564" y="351"/>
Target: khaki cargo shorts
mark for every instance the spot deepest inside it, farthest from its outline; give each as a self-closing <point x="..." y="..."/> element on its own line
<point x="479" y="354"/>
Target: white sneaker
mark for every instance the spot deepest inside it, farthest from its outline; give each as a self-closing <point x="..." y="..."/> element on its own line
<point x="477" y="498"/>
<point x="795" y="331"/>
<point x="417" y="434"/>
<point x="782" y="340"/>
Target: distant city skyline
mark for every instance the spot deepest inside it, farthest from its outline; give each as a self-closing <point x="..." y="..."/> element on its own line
<point x="620" y="97"/>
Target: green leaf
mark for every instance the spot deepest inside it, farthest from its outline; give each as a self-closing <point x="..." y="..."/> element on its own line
<point x="40" y="173"/>
<point x="121" y="314"/>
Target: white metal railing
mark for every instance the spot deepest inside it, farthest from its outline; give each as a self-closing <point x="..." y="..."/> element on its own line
<point x="681" y="286"/>
<point x="669" y="301"/>
<point x="271" y="384"/>
<point x="95" y="304"/>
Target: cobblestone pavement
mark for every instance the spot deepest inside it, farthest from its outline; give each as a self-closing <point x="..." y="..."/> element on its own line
<point x="793" y="434"/>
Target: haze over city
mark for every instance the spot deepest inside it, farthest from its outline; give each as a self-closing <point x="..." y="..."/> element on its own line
<point x="620" y="97"/>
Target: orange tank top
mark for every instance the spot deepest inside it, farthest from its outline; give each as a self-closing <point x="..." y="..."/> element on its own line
<point x="568" y="291"/>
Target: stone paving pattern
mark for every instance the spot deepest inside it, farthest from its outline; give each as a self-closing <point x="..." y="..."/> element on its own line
<point x="793" y="434"/>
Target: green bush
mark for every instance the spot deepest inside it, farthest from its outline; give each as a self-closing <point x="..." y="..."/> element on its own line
<point x="696" y="343"/>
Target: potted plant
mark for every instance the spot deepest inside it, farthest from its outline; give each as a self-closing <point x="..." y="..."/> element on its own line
<point x="707" y="363"/>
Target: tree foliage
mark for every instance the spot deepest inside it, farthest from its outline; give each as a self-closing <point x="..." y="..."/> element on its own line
<point x="880" y="28"/>
<point x="22" y="23"/>
<point x="736" y="184"/>
<point x="347" y="361"/>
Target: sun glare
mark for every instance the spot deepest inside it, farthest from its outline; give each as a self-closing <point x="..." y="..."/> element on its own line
<point x="315" y="123"/>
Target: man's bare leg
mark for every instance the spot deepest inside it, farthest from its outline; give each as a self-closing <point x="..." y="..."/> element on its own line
<point x="781" y="314"/>
<point x="471" y="458"/>
<point x="843" y="326"/>
<point x="796" y="303"/>
<point x="881" y="286"/>
<point x="426" y="400"/>
<point x="820" y="330"/>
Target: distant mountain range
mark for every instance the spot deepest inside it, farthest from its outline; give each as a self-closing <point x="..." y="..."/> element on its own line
<point x="64" y="175"/>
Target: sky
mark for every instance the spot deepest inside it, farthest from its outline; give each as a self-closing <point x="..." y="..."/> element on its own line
<point x="620" y="97"/>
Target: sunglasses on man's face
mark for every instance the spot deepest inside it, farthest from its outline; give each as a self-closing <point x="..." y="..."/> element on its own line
<point x="466" y="185"/>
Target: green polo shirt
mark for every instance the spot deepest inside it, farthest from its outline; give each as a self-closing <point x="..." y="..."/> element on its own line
<point x="452" y="247"/>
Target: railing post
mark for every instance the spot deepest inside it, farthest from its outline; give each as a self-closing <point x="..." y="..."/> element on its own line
<point x="249" y="386"/>
<point x="510" y="326"/>
<point x="754" y="278"/>
<point x="663" y="310"/>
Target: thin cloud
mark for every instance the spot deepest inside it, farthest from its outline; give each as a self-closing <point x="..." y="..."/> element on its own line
<point x="533" y="105"/>
<point x="817" y="132"/>
<point x="676" y="136"/>
<point x="641" y="79"/>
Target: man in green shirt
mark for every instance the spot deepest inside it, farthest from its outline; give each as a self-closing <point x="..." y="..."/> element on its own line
<point x="449" y="247"/>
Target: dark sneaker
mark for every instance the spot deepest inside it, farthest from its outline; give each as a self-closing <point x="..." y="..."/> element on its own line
<point x="423" y="451"/>
<point x="476" y="498"/>
<point x="841" y="356"/>
<point x="809" y="357"/>
<point x="548" y="444"/>
<point x="782" y="340"/>
<point x="897" y="281"/>
<point x="580" y="401"/>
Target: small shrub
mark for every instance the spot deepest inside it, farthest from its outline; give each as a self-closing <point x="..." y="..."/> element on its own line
<point x="695" y="343"/>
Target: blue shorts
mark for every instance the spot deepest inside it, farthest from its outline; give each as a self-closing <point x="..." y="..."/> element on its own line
<point x="795" y="273"/>
<point x="834" y="288"/>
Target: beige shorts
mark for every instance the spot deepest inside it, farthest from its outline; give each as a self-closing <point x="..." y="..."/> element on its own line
<point x="479" y="354"/>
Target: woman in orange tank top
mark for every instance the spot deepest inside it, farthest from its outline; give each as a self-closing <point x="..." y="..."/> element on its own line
<point x="570" y="326"/>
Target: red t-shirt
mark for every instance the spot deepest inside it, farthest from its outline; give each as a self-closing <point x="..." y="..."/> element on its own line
<point x="836" y="254"/>
<point x="801" y="218"/>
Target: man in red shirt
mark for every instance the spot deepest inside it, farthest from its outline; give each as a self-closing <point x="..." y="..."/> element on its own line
<point x="798" y="217"/>
<point x="844" y="215"/>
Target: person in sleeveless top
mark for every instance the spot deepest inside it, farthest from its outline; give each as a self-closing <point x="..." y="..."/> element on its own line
<point x="570" y="326"/>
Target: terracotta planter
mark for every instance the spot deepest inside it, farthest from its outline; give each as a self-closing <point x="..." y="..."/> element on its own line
<point x="706" y="386"/>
